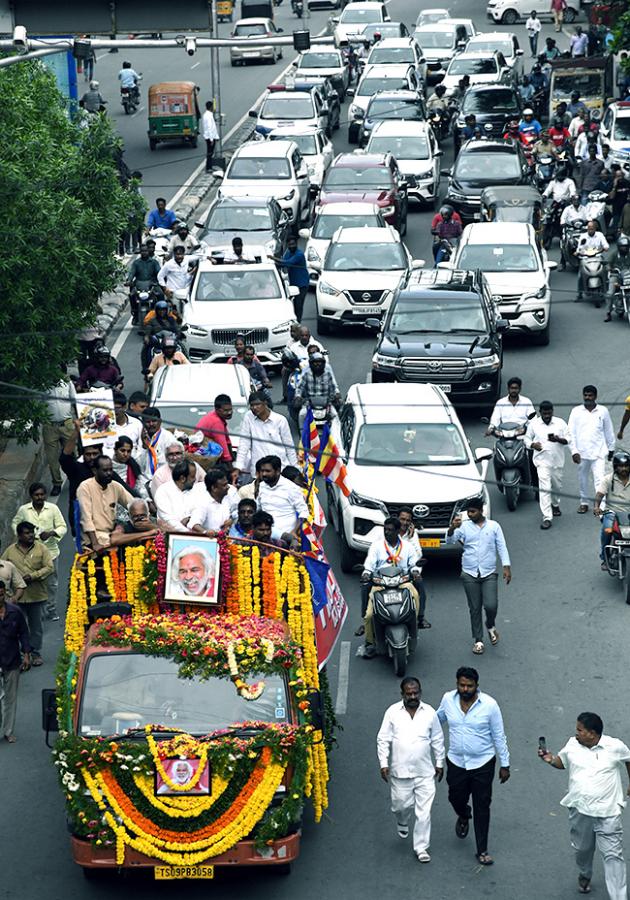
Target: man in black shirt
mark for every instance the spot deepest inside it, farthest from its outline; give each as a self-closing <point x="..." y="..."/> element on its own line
<point x="13" y="643"/>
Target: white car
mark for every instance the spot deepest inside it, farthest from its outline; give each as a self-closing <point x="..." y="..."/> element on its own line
<point x="270" y="169"/>
<point x="377" y="78"/>
<point x="404" y="446"/>
<point x="416" y="150"/>
<point x="184" y="394"/>
<point x="228" y="299"/>
<point x="249" y="29"/>
<point x="481" y="66"/>
<point x="509" y="12"/>
<point x="324" y="61"/>
<point x="314" y="145"/>
<point x="328" y="220"/>
<point x="290" y="104"/>
<point x="503" y="41"/>
<point x="441" y="41"/>
<point x="517" y="271"/>
<point x="354" y="17"/>
<point x="396" y="52"/>
<point x="430" y="16"/>
<point x="616" y="131"/>
<point x="360" y="272"/>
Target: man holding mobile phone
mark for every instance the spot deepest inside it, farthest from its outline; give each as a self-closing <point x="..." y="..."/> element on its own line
<point x="595" y="800"/>
<point x="547" y="436"/>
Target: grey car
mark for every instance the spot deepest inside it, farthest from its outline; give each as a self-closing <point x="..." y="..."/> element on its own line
<point x="259" y="221"/>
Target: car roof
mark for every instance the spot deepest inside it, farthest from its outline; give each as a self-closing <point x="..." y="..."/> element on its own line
<point x="252" y="22"/>
<point x="399" y="128"/>
<point x="266" y="148"/>
<point x="364" y="5"/>
<point x="241" y="201"/>
<point x="362" y="161"/>
<point x="366" y="234"/>
<point x="476" y="88"/>
<point x="398" y="95"/>
<point x="381" y="70"/>
<point x="251" y="250"/>
<point x="491" y="35"/>
<point x="200" y="383"/>
<point x="473" y="146"/>
<point x="378" y="403"/>
<point x="321" y="48"/>
<point x="621" y="108"/>
<point x="296" y="128"/>
<point x="393" y="42"/>
<point x="345" y="208"/>
<point x="442" y="25"/>
<point x="498" y="233"/>
<point x="476" y="54"/>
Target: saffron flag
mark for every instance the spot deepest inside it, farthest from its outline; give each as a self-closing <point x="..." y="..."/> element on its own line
<point x="330" y="464"/>
<point x="311" y="441"/>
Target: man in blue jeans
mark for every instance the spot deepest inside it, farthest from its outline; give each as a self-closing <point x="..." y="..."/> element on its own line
<point x="615" y="487"/>
<point x="482" y="541"/>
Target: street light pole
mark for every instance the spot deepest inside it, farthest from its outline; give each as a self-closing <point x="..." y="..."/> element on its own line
<point x="215" y="74"/>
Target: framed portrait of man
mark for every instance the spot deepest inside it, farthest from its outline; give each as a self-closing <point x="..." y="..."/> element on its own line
<point x="192" y="570"/>
<point x="180" y="773"/>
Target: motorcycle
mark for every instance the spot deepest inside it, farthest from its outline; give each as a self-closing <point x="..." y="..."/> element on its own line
<point x="445" y="249"/>
<point x="569" y="240"/>
<point x="596" y="208"/>
<point x="552" y="210"/>
<point x="621" y="298"/>
<point x="162" y="237"/>
<point x="130" y="98"/>
<point x="544" y="171"/>
<point x="145" y="295"/>
<point x="153" y="345"/>
<point x="511" y="462"/>
<point x="617" y="555"/>
<point x="323" y="412"/>
<point x="297" y="7"/>
<point x="593" y="271"/>
<point x="395" y="619"/>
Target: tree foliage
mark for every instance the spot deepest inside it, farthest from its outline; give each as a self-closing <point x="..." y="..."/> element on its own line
<point x="621" y="29"/>
<point x="63" y="208"/>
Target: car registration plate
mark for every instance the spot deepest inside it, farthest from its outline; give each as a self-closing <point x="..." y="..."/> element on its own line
<point x="445" y="387"/>
<point x="169" y="873"/>
<point x="368" y="310"/>
<point x="429" y="542"/>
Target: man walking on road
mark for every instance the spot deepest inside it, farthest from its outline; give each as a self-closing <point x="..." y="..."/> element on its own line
<point x="591" y="439"/>
<point x="209" y="133"/>
<point x="547" y="436"/>
<point x="557" y="8"/>
<point x="533" y="26"/>
<point x="13" y="643"/>
<point x="482" y="540"/>
<point x="595" y="800"/>
<point x="410" y="746"/>
<point x="476" y="737"/>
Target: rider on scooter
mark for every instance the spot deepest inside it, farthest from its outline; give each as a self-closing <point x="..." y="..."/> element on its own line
<point x="619" y="264"/>
<point x="591" y="240"/>
<point x="129" y="78"/>
<point x="447" y="224"/>
<point x="574" y="212"/>
<point x="142" y="276"/>
<point x="615" y="487"/>
<point x="436" y="102"/>
<point x="318" y="382"/>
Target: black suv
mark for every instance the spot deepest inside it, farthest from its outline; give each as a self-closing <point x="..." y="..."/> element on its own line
<point x="493" y="106"/>
<point x="443" y="328"/>
<point x="481" y="164"/>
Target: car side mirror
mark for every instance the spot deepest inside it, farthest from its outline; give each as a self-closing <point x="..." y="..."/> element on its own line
<point x="253" y="114"/>
<point x="502" y="324"/>
<point x="439" y="153"/>
<point x="284" y="218"/>
<point x="373" y="324"/>
<point x="279" y="30"/>
<point x="445" y="173"/>
<point x="334" y="20"/>
<point x="550" y="265"/>
<point x="325" y="109"/>
<point x="417" y="263"/>
<point x="294" y="63"/>
<point x="422" y="59"/>
<point x="444" y="264"/>
<point x="482" y="454"/>
<point x="350" y="92"/>
<point x="519" y="52"/>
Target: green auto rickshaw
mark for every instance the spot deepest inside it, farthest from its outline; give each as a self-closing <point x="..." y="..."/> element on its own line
<point x="173" y="113"/>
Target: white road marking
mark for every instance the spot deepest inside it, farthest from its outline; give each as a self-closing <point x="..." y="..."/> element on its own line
<point x="341" y="704"/>
<point x="194" y="65"/>
<point x="137" y="112"/>
<point x="122" y="337"/>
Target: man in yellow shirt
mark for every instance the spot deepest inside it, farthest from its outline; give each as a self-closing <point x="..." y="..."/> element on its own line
<point x="98" y="498"/>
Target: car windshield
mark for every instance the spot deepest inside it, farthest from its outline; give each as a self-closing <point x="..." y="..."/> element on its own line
<point x="400" y="147"/>
<point x="436" y="40"/>
<point x="237" y="218"/>
<point x="621" y="131"/>
<point x="307" y="143"/>
<point x="428" y="18"/>
<point x="506" y="258"/>
<point x="410" y="444"/>
<point x="490" y="167"/>
<point x="504" y="47"/>
<point x="238" y="285"/>
<point x="385" y="29"/>
<point x="325" y="226"/>
<point x="127" y="690"/>
<point x="387" y="55"/>
<point x="416" y="316"/>
<point x="250" y="30"/>
<point x="184" y="416"/>
<point x="369" y="86"/>
<point x="295" y="106"/>
<point x="320" y="61"/>
<point x="372" y="257"/>
<point x="260" y="167"/>
<point x="374" y="178"/>
<point x="353" y="16"/>
<point x="587" y="84"/>
<point x="502" y="101"/>
<point x="475" y="66"/>
<point x="393" y="108"/>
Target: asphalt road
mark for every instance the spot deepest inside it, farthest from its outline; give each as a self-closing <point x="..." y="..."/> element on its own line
<point x="563" y="646"/>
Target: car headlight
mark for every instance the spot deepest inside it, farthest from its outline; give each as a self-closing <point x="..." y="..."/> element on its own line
<point x="289" y="196"/>
<point x="327" y="289"/>
<point x="283" y="326"/>
<point x="195" y="331"/>
<point x="488" y="363"/>
<point x="270" y="248"/>
<point x="388" y="210"/>
<point x="313" y="256"/>
<point x="311" y="171"/>
<point x="452" y="194"/>
<point x="387" y="362"/>
<point x="355" y="111"/>
<point x="367" y="502"/>
<point x="539" y="295"/>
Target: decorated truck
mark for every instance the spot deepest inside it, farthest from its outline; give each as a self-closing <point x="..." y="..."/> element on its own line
<point x="193" y="719"/>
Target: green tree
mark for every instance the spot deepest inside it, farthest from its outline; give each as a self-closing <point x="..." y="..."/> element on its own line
<point x="63" y="208"/>
<point x="621" y="27"/>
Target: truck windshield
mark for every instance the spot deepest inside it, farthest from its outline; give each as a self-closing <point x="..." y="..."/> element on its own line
<point x="587" y="84"/>
<point x="128" y="690"/>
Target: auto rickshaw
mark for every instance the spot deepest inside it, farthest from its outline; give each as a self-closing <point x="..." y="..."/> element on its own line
<point x="518" y="203"/>
<point x="225" y="10"/>
<point x="173" y="113"/>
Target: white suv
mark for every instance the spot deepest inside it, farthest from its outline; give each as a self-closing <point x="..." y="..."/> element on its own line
<point x="328" y="220"/>
<point x="509" y="12"/>
<point x="517" y="271"/>
<point x="270" y="169"/>
<point x="228" y="299"/>
<point x="417" y="153"/>
<point x="401" y="442"/>
<point x="616" y="131"/>
<point x="361" y="270"/>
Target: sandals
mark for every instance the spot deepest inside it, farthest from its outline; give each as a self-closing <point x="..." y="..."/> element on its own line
<point x="584" y="884"/>
<point x="582" y="508"/>
<point x="461" y="827"/>
<point x="494" y="635"/>
<point x="478" y="648"/>
<point x="485" y="860"/>
<point x="360" y="631"/>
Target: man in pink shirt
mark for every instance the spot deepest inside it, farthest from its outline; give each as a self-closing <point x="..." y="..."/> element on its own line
<point x="558" y="7"/>
<point x="214" y="426"/>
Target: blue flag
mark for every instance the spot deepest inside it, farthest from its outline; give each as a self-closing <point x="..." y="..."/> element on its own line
<point x="318" y="573"/>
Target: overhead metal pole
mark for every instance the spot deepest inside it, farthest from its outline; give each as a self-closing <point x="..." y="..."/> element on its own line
<point x="216" y="77"/>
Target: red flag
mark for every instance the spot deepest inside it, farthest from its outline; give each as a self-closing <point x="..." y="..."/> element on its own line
<point x="332" y="467"/>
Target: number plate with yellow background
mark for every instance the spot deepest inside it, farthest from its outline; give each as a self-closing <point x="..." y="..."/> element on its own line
<point x="429" y="542"/>
<point x="169" y="873"/>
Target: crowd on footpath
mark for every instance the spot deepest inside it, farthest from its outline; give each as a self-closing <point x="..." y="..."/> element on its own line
<point x="412" y="755"/>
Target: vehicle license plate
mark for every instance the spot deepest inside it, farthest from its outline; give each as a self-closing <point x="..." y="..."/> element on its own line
<point x="429" y="542"/>
<point x="169" y="873"/>
<point x="368" y="310"/>
<point x="445" y="387"/>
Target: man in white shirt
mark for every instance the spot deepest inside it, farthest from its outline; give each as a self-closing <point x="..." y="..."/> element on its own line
<point x="409" y="535"/>
<point x="513" y="408"/>
<point x="410" y="747"/>
<point x="173" y="454"/>
<point x="175" y="499"/>
<point x="176" y="274"/>
<point x="125" y="425"/>
<point x="209" y="133"/>
<point x="213" y="504"/>
<point x="155" y="440"/>
<point x="263" y="433"/>
<point x="533" y="27"/>
<point x="547" y="436"/>
<point x="560" y="188"/>
<point x="591" y="240"/>
<point x="595" y="800"/>
<point x="591" y="440"/>
<point x="304" y="341"/>
<point x="573" y="211"/>
<point x="60" y="406"/>
<point x="282" y="499"/>
<point x="580" y="150"/>
<point x="389" y="550"/>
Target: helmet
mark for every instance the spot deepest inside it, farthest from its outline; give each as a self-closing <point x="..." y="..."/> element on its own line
<point x="102" y="350"/>
<point x="512" y="125"/>
<point x="290" y="360"/>
<point x="528" y="111"/>
<point x="168" y="341"/>
<point x="621" y="458"/>
<point x="182" y="226"/>
<point x="440" y="89"/>
<point x="446" y="211"/>
<point x="558" y="122"/>
<point x="94" y="85"/>
<point x="161" y="304"/>
<point x="377" y="36"/>
<point x="623" y="245"/>
<point x="126" y="65"/>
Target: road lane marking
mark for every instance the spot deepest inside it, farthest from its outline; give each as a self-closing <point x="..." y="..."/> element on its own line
<point x="341" y="704"/>
<point x="137" y="112"/>
<point x="122" y="337"/>
<point x="194" y="65"/>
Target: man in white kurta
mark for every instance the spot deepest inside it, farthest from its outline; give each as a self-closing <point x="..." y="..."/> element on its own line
<point x="410" y="746"/>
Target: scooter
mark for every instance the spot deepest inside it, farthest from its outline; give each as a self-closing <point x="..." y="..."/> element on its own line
<point x="511" y="462"/>
<point x="445" y="249"/>
<point x="395" y="619"/>
<point x="544" y="171"/>
<point x="593" y="276"/>
<point x="146" y="296"/>
<point x="162" y="237"/>
<point x="621" y="298"/>
<point x="552" y="211"/>
<point x="130" y="98"/>
<point x="568" y="242"/>
<point x="596" y="208"/>
<point x="617" y="555"/>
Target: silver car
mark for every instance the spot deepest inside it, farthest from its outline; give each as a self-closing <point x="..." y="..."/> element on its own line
<point x="254" y="28"/>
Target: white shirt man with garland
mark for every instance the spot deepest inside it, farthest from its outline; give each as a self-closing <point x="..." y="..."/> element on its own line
<point x="410" y="747"/>
<point x="547" y="436"/>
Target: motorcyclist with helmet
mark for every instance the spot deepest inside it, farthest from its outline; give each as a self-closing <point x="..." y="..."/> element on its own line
<point x="615" y="487"/>
<point x="142" y="276"/>
<point x="362" y="54"/>
<point x="446" y="225"/>
<point x="574" y="212"/>
<point x="317" y="383"/>
<point x="511" y="132"/>
<point x="104" y="370"/>
<point x="161" y="318"/>
<point x="619" y="264"/>
<point x="544" y="146"/>
<point x="529" y="128"/>
<point x="129" y="80"/>
<point x="169" y="355"/>
<point x="559" y="134"/>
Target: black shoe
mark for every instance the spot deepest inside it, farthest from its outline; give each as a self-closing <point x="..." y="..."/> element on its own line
<point x="55" y="490"/>
<point x="369" y="651"/>
<point x="461" y="827"/>
<point x="607" y="318"/>
<point x="556" y="511"/>
<point x="422" y="623"/>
